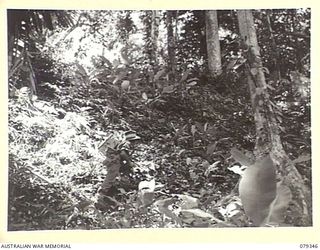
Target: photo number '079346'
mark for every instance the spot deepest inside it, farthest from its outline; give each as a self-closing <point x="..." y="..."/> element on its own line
<point x="309" y="246"/>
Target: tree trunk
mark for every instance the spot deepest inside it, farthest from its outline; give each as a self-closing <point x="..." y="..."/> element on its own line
<point x="11" y="39"/>
<point x="171" y="46"/>
<point x="275" y="51"/>
<point x="268" y="140"/>
<point x="155" y="21"/>
<point x="213" y="43"/>
<point x="151" y="20"/>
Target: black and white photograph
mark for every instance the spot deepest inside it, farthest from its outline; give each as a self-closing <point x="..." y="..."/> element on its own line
<point x="123" y="119"/>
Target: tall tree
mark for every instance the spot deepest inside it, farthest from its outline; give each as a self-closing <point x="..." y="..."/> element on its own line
<point x="151" y="21"/>
<point x="213" y="43"/>
<point x="268" y="140"/>
<point x="155" y="21"/>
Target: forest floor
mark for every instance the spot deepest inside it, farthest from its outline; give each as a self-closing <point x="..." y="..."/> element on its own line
<point x="181" y="173"/>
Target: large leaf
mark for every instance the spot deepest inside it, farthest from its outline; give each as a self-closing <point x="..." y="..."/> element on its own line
<point x="187" y="201"/>
<point x="196" y="217"/>
<point x="279" y="206"/>
<point x="237" y="169"/>
<point x="241" y="157"/>
<point x="196" y="212"/>
<point x="257" y="189"/>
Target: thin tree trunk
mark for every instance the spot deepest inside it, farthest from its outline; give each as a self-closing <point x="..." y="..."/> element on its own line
<point x="275" y="52"/>
<point x="10" y="50"/>
<point x="155" y="21"/>
<point x="268" y="140"/>
<point x="171" y="46"/>
<point x="151" y="21"/>
<point x="213" y="43"/>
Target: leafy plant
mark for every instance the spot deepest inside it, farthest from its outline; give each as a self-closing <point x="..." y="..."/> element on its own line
<point x="264" y="200"/>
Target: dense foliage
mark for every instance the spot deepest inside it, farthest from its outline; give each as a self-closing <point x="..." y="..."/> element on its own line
<point x="181" y="173"/>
